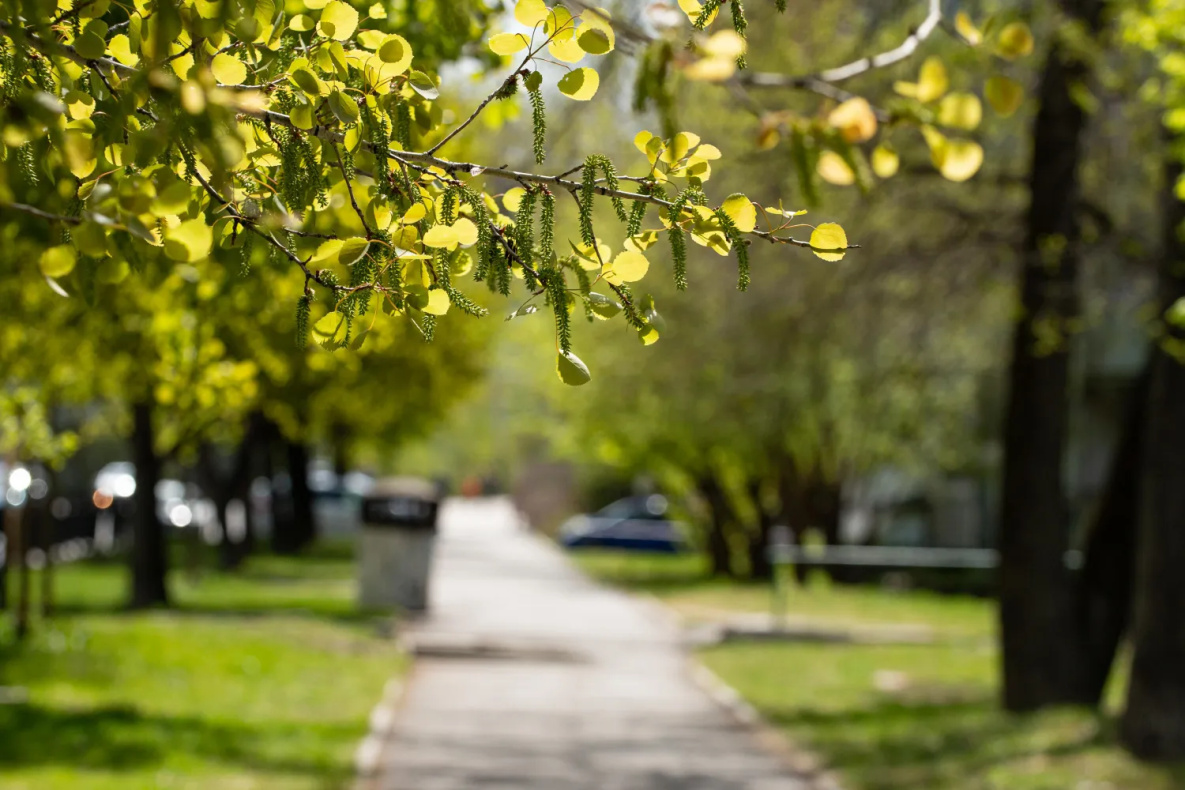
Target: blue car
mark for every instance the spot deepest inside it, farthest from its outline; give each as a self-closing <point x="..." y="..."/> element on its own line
<point x="635" y="523"/>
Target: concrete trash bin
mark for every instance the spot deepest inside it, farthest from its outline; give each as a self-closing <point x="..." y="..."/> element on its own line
<point x="396" y="542"/>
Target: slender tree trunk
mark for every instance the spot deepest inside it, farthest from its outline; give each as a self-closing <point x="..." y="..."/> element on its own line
<point x="1036" y="602"/>
<point x="302" y="497"/>
<point x="719" y="553"/>
<point x="14" y="529"/>
<point x="150" y="561"/>
<point x="1153" y="726"/>
<point x="760" y="567"/>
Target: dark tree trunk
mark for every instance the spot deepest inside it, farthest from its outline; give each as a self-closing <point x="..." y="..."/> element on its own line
<point x="1040" y="664"/>
<point x="760" y="567"/>
<point x="150" y="560"/>
<point x="719" y="553"/>
<point x="1153" y="726"/>
<point x="295" y="529"/>
<point x="1104" y="591"/>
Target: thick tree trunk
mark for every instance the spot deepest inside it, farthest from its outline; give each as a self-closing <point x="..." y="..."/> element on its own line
<point x="1040" y="664"/>
<point x="719" y="553"/>
<point x="1104" y="590"/>
<point x="150" y="561"/>
<point x="1153" y="726"/>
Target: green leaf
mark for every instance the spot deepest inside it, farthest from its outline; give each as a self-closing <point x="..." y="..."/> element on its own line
<point x="960" y="111"/>
<point x="1015" y="41"/>
<point x="422" y="84"/>
<point x="594" y="41"/>
<point x="1004" y="94"/>
<point x="58" y="261"/>
<point x="190" y="241"/>
<point x="339" y="20"/>
<point x="571" y="369"/>
<point x="397" y="52"/>
<point x="441" y="236"/>
<point x="580" y="84"/>
<point x="343" y="107"/>
<point x="885" y="161"/>
<point x="228" y="69"/>
<point x="602" y="306"/>
<point x="932" y="81"/>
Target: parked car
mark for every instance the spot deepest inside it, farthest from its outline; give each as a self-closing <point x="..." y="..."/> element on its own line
<point x="637" y="523"/>
<point x="178" y="504"/>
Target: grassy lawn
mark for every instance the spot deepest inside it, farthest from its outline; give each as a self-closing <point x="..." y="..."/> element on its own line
<point x="893" y="717"/>
<point x="261" y="679"/>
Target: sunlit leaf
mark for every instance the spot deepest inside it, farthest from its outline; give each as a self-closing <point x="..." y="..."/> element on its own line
<point x="228" y="69"/>
<point x="855" y="120"/>
<point x="741" y="211"/>
<point x="1004" y="94"/>
<point x="58" y="261"/>
<point x="960" y="111"/>
<point x="932" y="80"/>
<point x="580" y="84"/>
<point x="885" y="161"/>
<point x="1015" y="41"/>
<point x="829" y="236"/>
<point x="508" y="43"/>
<point x="832" y="168"/>
<point x="571" y="369"/>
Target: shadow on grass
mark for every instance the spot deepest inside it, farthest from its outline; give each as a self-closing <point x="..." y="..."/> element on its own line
<point x="894" y="745"/>
<point x="121" y="738"/>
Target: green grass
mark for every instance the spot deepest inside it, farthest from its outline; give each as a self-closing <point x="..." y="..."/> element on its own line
<point x="894" y="717"/>
<point x="261" y="679"/>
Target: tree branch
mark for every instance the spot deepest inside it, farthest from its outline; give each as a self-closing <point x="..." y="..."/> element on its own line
<point x="815" y="82"/>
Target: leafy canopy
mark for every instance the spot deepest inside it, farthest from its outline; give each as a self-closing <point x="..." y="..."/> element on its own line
<point x="169" y="132"/>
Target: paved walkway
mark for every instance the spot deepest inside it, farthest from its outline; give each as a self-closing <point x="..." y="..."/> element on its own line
<point x="531" y="677"/>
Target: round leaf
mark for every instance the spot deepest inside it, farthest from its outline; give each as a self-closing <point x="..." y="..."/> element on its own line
<point x="961" y="159"/>
<point x="855" y="120"/>
<point x="395" y="51"/>
<point x="189" y="241"/>
<point x="885" y="161"/>
<point x="438" y="303"/>
<point x="571" y="369"/>
<point x="594" y="41"/>
<point x="530" y="12"/>
<point x="441" y="236"/>
<point x="829" y="236"/>
<point x="741" y="211"/>
<point x="832" y="168"/>
<point x="1015" y="41"/>
<point x="1004" y="94"/>
<point x="228" y="69"/>
<point x="960" y="111"/>
<point x="58" y="261"/>
<point x="466" y="232"/>
<point x="630" y="266"/>
<point x="339" y="20"/>
<point x="580" y="84"/>
<point x="508" y="43"/>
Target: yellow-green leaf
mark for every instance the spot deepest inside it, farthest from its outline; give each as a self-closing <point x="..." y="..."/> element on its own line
<point x="441" y="236"/>
<point x="571" y="369"/>
<point x="829" y="236"/>
<point x="508" y="43"/>
<point x="885" y="161"/>
<point x="414" y="214"/>
<point x="960" y="159"/>
<point x="228" y="69"/>
<point x="301" y="23"/>
<point x="58" y="261"/>
<point x="339" y="20"/>
<point x="580" y="84"/>
<point x="1004" y="94"/>
<point x="189" y="241"/>
<point x="466" y="232"/>
<point x="932" y="81"/>
<point x="120" y="48"/>
<point x="594" y="41"/>
<point x="960" y="111"/>
<point x="438" y="303"/>
<point x="832" y="168"/>
<point x="855" y="120"/>
<point x="396" y="51"/>
<point x="630" y="266"/>
<point x="512" y="198"/>
<point x="966" y="28"/>
<point x="530" y="12"/>
<point x="1015" y="41"/>
<point x="741" y="211"/>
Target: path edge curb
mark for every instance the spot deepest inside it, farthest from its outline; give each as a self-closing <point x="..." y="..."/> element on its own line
<point x="802" y="762"/>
